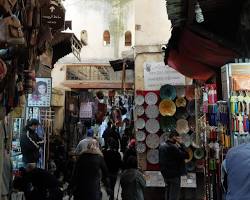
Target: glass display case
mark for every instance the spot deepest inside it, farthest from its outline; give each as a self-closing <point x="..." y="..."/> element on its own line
<point x="16" y="154"/>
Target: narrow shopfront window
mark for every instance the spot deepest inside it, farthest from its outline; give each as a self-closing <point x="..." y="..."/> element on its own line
<point x="128" y="38"/>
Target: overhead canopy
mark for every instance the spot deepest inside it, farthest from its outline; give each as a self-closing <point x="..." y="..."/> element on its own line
<point x="63" y="44"/>
<point x="198" y="50"/>
<point x="118" y="64"/>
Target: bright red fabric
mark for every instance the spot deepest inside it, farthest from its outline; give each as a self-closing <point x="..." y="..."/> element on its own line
<point x="197" y="57"/>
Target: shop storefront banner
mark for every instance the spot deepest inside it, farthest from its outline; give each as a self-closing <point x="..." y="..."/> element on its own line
<point x="41" y="96"/>
<point x="157" y="74"/>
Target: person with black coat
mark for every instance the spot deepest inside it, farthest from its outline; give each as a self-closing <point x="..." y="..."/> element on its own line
<point x="38" y="184"/>
<point x="85" y="183"/>
<point x="30" y="142"/>
<point x="114" y="162"/>
<point x="172" y="155"/>
<point x="131" y="151"/>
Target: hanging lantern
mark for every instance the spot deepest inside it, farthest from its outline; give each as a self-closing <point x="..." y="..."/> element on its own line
<point x="198" y="12"/>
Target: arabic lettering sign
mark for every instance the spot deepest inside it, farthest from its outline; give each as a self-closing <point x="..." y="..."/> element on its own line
<point x="53" y="16"/>
<point x="157" y="74"/>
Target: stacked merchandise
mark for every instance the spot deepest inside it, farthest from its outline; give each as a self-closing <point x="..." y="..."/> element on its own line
<point x="148" y="133"/>
<point x="217" y="138"/>
<point x="176" y="106"/>
<point x="239" y="108"/>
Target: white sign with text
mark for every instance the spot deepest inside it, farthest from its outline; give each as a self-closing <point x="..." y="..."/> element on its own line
<point x="157" y="74"/>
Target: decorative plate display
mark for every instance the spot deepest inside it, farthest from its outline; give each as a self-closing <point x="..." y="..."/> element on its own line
<point x="186" y="140"/>
<point x="164" y="137"/>
<point x="190" y="166"/>
<point x="140" y="147"/>
<point x="190" y="155"/>
<point x="151" y="98"/>
<point x="139" y="100"/>
<point x="168" y="124"/>
<point x="180" y="91"/>
<point x="167" y="108"/>
<point x="139" y="123"/>
<point x="180" y="102"/>
<point x="182" y="126"/>
<point x="152" y="140"/>
<point x="199" y="153"/>
<point x="153" y="156"/>
<point x="168" y="92"/>
<point x="140" y="136"/>
<point x="139" y="110"/>
<point x="152" y="126"/>
<point x="152" y="111"/>
<point x="190" y="92"/>
<point x="181" y="113"/>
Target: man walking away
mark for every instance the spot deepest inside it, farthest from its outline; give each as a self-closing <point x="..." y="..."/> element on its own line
<point x="172" y="155"/>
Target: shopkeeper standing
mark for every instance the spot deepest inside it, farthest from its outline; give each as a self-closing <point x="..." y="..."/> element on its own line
<point x="30" y="142"/>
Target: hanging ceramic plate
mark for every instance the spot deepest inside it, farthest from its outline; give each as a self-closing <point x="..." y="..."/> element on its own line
<point x="140" y="147"/>
<point x="167" y="108"/>
<point x="168" y="124"/>
<point x="140" y="136"/>
<point x="190" y="155"/>
<point x="191" y="108"/>
<point x="180" y="102"/>
<point x="152" y="126"/>
<point x="199" y="164"/>
<point x="199" y="153"/>
<point x="180" y="91"/>
<point x="186" y="140"/>
<point x="139" y="123"/>
<point x="181" y="113"/>
<point x="152" y="111"/>
<point x="139" y="110"/>
<point x="152" y="140"/>
<point x="168" y="92"/>
<point x="189" y="92"/>
<point x="164" y="137"/>
<point x="139" y="100"/>
<point x="151" y="98"/>
<point x="190" y="166"/>
<point x="182" y="126"/>
<point x="153" y="156"/>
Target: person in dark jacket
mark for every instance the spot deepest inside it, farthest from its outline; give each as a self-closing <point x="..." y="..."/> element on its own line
<point x="85" y="183"/>
<point x="172" y="155"/>
<point x="132" y="181"/>
<point x="111" y="132"/>
<point x="30" y="142"/>
<point x="114" y="162"/>
<point x="131" y="151"/>
<point x="38" y="184"/>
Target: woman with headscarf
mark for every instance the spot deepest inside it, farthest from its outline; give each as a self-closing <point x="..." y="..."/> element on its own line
<point x="85" y="184"/>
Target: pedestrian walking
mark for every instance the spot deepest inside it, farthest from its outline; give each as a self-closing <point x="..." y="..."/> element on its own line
<point x="30" y="142"/>
<point x="114" y="162"/>
<point x="172" y="155"/>
<point x="236" y="166"/>
<point x="85" y="183"/>
<point x="131" y="151"/>
<point x="132" y="181"/>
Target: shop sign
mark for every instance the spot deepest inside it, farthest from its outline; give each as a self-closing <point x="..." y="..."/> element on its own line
<point x="86" y="110"/>
<point x="157" y="74"/>
<point x="154" y="179"/>
<point x="53" y="15"/>
<point x="41" y="96"/>
<point x="189" y="181"/>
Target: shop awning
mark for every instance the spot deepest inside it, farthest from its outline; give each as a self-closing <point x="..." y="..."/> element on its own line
<point x="198" y="50"/>
<point x="197" y="57"/>
<point x="118" y="64"/>
<point x="64" y="44"/>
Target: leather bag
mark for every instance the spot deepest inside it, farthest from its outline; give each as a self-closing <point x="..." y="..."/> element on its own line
<point x="7" y="5"/>
<point x="11" y="32"/>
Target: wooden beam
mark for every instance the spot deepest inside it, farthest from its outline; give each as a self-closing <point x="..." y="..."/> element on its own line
<point x="97" y="85"/>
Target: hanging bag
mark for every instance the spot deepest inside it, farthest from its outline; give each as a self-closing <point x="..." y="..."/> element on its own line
<point x="7" y="5"/>
<point x="11" y="33"/>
